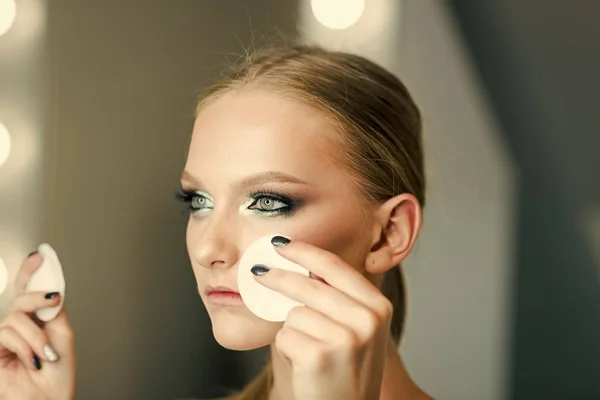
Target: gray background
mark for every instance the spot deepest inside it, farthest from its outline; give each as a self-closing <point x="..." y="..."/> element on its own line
<point x="99" y="96"/>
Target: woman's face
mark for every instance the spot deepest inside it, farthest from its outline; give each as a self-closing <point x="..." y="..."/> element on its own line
<point x="260" y="164"/>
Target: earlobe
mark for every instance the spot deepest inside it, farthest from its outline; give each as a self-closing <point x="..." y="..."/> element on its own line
<point x="398" y="225"/>
<point x="378" y="262"/>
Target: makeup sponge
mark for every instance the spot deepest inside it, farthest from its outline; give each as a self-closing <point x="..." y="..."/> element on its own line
<point x="48" y="278"/>
<point x="263" y="302"/>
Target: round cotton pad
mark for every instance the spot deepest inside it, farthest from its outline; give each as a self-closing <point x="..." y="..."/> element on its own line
<point x="48" y="278"/>
<point x="265" y="303"/>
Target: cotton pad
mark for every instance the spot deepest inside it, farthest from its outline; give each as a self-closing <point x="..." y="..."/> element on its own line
<point x="48" y="278"/>
<point x="263" y="302"/>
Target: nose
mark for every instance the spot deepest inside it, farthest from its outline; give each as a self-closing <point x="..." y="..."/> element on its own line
<point x="213" y="243"/>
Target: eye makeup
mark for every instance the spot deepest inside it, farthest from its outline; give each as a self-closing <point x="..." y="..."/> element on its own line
<point x="197" y="200"/>
<point x="263" y="203"/>
<point x="269" y="203"/>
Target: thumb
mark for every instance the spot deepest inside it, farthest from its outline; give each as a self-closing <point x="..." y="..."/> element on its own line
<point x="60" y="333"/>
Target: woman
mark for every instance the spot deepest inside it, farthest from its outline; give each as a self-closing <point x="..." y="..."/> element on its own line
<point x="323" y="147"/>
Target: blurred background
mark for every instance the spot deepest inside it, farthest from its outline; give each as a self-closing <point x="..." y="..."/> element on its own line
<point x="96" y="110"/>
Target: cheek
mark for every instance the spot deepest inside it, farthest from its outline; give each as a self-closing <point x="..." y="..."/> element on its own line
<point x="192" y="235"/>
<point x="190" y="238"/>
<point x="344" y="234"/>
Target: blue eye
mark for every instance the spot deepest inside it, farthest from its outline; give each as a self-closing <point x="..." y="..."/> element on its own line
<point x="197" y="201"/>
<point x="272" y="203"/>
<point x="263" y="203"/>
<point x="268" y="204"/>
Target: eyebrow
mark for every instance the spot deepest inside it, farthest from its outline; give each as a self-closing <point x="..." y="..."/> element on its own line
<point x="252" y="180"/>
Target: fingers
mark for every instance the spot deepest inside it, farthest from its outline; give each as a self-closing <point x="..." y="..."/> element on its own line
<point x="29" y="266"/>
<point x="301" y="350"/>
<point x="16" y="344"/>
<point x="35" y="338"/>
<point x="19" y="333"/>
<point x="313" y="294"/>
<point x="318" y="326"/>
<point x="29" y="303"/>
<point x="317" y="277"/>
<point x="335" y="271"/>
<point x="60" y="329"/>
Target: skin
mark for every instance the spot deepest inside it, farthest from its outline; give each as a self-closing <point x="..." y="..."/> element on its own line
<point x="239" y="140"/>
<point x="22" y="336"/>
<point x="338" y="346"/>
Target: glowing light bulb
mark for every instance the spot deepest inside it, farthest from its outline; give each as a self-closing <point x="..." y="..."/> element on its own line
<point x="4" y="144"/>
<point x="8" y="12"/>
<point x="3" y="276"/>
<point x="338" y="14"/>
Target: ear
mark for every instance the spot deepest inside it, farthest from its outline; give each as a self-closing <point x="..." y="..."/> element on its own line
<point x="398" y="223"/>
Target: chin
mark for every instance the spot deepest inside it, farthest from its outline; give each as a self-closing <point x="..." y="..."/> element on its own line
<point x="242" y="333"/>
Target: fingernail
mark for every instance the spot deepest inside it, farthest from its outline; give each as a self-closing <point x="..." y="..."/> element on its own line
<point x="32" y="253"/>
<point x="36" y="362"/>
<point x="51" y="295"/>
<point x="50" y="353"/>
<point x="259" y="269"/>
<point x="280" y="241"/>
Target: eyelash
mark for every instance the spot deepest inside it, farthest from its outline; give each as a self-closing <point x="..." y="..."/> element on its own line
<point x="290" y="204"/>
<point x="187" y="196"/>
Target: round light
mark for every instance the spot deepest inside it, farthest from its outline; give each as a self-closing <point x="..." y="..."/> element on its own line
<point x="8" y="12"/>
<point x="338" y="14"/>
<point x="3" y="276"/>
<point x="4" y="143"/>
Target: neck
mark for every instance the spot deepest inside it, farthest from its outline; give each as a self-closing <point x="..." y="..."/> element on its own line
<point x="396" y="383"/>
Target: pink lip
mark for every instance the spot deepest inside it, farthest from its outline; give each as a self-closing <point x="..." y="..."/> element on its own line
<point x="223" y="296"/>
<point x="219" y="289"/>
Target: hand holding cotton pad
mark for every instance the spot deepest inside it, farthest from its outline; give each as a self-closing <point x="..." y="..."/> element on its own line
<point x="263" y="302"/>
<point x="48" y="278"/>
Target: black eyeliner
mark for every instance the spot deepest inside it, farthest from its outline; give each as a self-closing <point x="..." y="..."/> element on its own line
<point x="187" y="196"/>
<point x="291" y="204"/>
<point x="184" y="195"/>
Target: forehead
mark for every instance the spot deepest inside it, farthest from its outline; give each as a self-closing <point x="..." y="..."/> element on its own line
<point x="245" y="132"/>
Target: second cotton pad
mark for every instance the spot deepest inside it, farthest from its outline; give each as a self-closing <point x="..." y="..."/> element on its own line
<point x="263" y="302"/>
<point x="48" y="278"/>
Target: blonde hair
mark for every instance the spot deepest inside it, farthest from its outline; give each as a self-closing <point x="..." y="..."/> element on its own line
<point x="380" y="128"/>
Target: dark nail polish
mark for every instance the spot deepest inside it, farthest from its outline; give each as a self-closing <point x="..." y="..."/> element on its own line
<point x="280" y="241"/>
<point x="32" y="253"/>
<point x="259" y="269"/>
<point x="36" y="362"/>
<point x="51" y="295"/>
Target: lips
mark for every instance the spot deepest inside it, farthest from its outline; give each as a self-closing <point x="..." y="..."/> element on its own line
<point x="219" y="289"/>
<point x="223" y="296"/>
